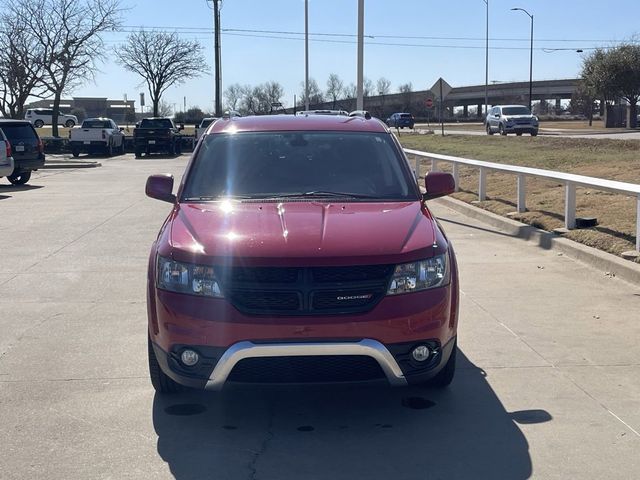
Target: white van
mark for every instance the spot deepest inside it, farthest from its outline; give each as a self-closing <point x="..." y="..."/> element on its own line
<point x="42" y="116"/>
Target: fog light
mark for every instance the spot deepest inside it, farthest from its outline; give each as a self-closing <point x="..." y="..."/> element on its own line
<point x="189" y="358"/>
<point x="421" y="353"/>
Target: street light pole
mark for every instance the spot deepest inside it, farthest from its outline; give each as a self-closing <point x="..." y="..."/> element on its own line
<point x="530" y="60"/>
<point x="486" y="56"/>
<point x="306" y="55"/>
<point x="360" y="77"/>
<point x="217" y="66"/>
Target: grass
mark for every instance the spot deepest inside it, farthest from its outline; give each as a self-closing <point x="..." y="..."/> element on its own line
<point x="610" y="159"/>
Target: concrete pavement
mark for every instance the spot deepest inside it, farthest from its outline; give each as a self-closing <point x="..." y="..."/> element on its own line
<point x="548" y="384"/>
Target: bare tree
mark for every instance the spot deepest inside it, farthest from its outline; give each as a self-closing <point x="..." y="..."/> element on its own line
<point x="335" y="88"/>
<point x="384" y="86"/>
<point x="164" y="109"/>
<point x="233" y="95"/>
<point x="367" y="87"/>
<point x="69" y="34"/>
<point x="21" y="64"/>
<point x="162" y="60"/>
<point x="406" y="90"/>
<point x="315" y="94"/>
<point x="273" y="92"/>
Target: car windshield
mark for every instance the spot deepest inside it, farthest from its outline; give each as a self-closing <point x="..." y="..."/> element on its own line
<point x="96" y="124"/>
<point x="156" y="123"/>
<point x="405" y="115"/>
<point x="276" y="164"/>
<point x="515" y="111"/>
<point x="17" y="132"/>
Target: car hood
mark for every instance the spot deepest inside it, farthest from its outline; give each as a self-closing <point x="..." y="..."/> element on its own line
<point x="285" y="232"/>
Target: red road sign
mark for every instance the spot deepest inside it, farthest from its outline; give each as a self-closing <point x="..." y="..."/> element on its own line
<point x="429" y="103"/>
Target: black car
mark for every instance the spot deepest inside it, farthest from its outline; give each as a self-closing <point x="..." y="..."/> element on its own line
<point x="153" y="135"/>
<point x="27" y="148"/>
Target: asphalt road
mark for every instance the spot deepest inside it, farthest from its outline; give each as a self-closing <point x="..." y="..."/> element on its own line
<point x="548" y="385"/>
<point x="543" y="132"/>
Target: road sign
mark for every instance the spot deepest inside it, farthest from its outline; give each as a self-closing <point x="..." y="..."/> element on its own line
<point x="428" y="103"/>
<point x="441" y="88"/>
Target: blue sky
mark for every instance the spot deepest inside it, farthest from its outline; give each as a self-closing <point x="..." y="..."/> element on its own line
<point x="559" y="24"/>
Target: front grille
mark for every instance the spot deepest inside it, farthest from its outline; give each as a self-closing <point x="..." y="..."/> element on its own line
<point x="305" y="290"/>
<point x="303" y="369"/>
<point x="265" y="301"/>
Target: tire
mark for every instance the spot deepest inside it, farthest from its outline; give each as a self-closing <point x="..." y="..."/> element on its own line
<point x="534" y="133"/>
<point x="519" y="134"/>
<point x="179" y="147"/>
<point x="445" y="376"/>
<point x="70" y="124"/>
<point x="38" y="124"/>
<point x="75" y="152"/>
<point x="161" y="382"/>
<point x="110" y="149"/>
<point x="489" y="131"/>
<point x="138" y="153"/>
<point x="172" y="149"/>
<point x="122" y="149"/>
<point x="502" y="131"/>
<point x="19" y="178"/>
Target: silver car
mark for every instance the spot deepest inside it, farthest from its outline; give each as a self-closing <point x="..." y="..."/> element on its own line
<point x="505" y="119"/>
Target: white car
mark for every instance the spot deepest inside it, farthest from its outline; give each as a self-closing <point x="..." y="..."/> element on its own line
<point x="6" y="160"/>
<point x="97" y="134"/>
<point x="204" y="124"/>
<point x="43" y="116"/>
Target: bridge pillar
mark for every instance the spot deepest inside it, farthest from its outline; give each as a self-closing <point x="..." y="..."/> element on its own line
<point x="480" y="107"/>
<point x="558" y="105"/>
<point x="465" y="111"/>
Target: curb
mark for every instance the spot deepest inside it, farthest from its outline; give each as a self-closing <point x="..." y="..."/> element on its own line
<point x="56" y="165"/>
<point x="590" y="256"/>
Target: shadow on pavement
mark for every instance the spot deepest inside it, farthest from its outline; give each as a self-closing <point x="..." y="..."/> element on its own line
<point x="18" y="188"/>
<point x="342" y="432"/>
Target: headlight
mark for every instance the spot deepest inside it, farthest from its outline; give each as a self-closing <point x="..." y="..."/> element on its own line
<point x="422" y="275"/>
<point x="187" y="278"/>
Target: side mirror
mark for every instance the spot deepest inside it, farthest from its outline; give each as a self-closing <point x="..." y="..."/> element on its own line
<point x="438" y="184"/>
<point x="121" y="129"/>
<point x="181" y="126"/>
<point x="160" y="187"/>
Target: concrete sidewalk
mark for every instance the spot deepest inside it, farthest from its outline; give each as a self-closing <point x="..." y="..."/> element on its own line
<point x="548" y="385"/>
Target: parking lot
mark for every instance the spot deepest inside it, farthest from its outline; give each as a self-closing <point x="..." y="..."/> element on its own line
<point x="548" y="385"/>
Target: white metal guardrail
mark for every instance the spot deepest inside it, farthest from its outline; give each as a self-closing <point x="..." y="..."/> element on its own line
<point x="570" y="181"/>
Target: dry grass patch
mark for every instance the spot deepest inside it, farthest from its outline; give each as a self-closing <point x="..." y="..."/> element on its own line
<point x="611" y="159"/>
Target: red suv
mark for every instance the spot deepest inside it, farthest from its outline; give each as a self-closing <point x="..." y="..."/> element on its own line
<point x="300" y="249"/>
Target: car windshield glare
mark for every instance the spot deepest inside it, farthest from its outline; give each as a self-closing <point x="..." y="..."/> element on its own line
<point x="362" y="165"/>
<point x="516" y="111"/>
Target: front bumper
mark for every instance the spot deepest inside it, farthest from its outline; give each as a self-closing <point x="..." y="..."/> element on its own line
<point x="216" y="367"/>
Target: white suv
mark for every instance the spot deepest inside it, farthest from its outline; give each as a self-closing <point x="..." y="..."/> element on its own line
<point x="42" y="116"/>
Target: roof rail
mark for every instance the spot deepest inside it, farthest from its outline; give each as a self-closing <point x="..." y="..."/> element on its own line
<point x="230" y="114"/>
<point x="361" y="113"/>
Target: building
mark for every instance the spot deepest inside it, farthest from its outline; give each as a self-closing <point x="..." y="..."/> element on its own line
<point x="118" y="110"/>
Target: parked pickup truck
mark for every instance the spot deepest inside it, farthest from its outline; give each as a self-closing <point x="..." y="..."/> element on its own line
<point x="97" y="135"/>
<point x="157" y="135"/>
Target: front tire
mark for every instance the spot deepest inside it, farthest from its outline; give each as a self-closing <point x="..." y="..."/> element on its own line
<point x="75" y="152"/>
<point x="19" y="178"/>
<point x="489" y="131"/>
<point x="138" y="153"/>
<point x="534" y="133"/>
<point x="110" y="149"/>
<point x="38" y="124"/>
<point x="161" y="382"/>
<point x="70" y="124"/>
<point x="502" y="131"/>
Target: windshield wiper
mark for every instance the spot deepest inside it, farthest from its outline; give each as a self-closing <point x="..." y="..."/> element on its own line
<point x="208" y="198"/>
<point x="324" y="194"/>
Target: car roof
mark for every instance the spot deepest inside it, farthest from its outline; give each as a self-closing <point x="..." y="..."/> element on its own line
<point x="508" y="106"/>
<point x="274" y="123"/>
<point x="102" y="119"/>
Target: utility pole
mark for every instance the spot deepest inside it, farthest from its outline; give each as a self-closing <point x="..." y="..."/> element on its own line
<point x="360" y="77"/>
<point x="486" y="71"/>
<point x="306" y="55"/>
<point x="217" y="67"/>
